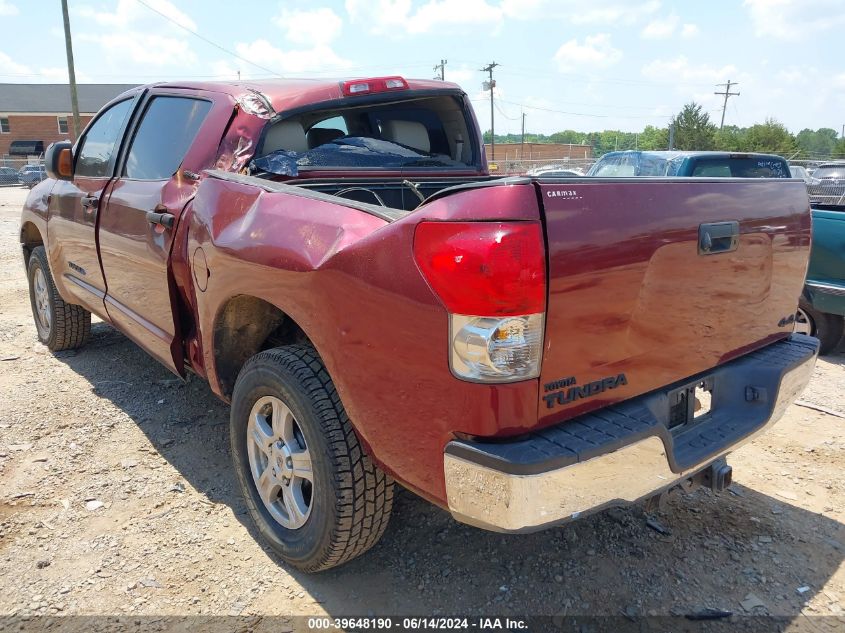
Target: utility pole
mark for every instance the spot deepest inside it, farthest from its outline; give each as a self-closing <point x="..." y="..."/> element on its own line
<point x="522" y="142"/>
<point x="727" y="93"/>
<point x="671" y="136"/>
<point x="489" y="85"/>
<point x="71" y="75"/>
<point x="442" y="67"/>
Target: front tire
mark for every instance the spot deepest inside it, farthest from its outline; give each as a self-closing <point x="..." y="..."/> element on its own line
<point x="315" y="497"/>
<point x="828" y="328"/>
<point x="60" y="325"/>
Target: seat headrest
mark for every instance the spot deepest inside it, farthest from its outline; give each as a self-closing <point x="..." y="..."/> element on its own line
<point x="289" y="135"/>
<point x="410" y="133"/>
<point x="321" y="135"/>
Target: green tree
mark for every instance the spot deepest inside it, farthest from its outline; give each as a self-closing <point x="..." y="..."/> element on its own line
<point x="731" y="139"/>
<point x="653" y="138"/>
<point x="771" y="136"/>
<point x="821" y="142"/>
<point x="693" y="129"/>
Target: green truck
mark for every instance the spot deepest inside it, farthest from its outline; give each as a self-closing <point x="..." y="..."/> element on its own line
<point x="821" y="311"/>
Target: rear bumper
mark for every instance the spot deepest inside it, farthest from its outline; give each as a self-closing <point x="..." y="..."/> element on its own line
<point x="624" y="452"/>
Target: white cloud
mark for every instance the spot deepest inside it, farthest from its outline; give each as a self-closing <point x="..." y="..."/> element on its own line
<point x="397" y="17"/>
<point x="611" y="12"/>
<point x="142" y="48"/>
<point x="661" y="28"/>
<point x="794" y="19"/>
<point x="681" y="70"/>
<point x="454" y="14"/>
<point x="689" y="30"/>
<point x="7" y="8"/>
<point x="127" y="12"/>
<point x="18" y="72"/>
<point x="318" y="26"/>
<point x="312" y="60"/>
<point x="595" y="52"/>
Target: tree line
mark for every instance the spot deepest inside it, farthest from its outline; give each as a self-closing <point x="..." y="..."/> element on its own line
<point x="693" y="130"/>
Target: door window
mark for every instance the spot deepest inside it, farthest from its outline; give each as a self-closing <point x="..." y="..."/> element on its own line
<point x="95" y="157"/>
<point x="164" y="137"/>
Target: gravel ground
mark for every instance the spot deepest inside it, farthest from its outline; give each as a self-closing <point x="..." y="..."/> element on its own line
<point x="117" y="498"/>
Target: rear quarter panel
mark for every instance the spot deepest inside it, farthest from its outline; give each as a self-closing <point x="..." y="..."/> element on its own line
<point x="350" y="281"/>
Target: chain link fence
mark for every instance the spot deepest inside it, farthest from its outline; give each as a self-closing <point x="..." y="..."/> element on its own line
<point x="18" y="171"/>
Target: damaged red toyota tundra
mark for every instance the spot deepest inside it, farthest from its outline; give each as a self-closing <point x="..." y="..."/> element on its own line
<point x="335" y="259"/>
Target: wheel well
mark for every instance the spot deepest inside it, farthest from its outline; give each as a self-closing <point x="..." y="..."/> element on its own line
<point x="245" y="326"/>
<point x="30" y="238"/>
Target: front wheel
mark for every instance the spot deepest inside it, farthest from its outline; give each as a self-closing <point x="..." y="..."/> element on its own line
<point x="828" y="328"/>
<point x="60" y="325"/>
<point x="313" y="494"/>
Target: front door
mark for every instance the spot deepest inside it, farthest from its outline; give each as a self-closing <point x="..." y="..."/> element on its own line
<point x="139" y="221"/>
<point x="75" y="205"/>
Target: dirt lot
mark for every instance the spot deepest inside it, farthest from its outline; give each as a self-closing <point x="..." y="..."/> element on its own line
<point x="116" y="497"/>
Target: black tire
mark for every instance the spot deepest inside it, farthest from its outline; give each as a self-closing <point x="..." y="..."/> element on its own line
<point x="69" y="325"/>
<point x="828" y="328"/>
<point x="351" y="498"/>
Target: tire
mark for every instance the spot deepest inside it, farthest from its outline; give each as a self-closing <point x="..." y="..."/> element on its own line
<point x="828" y="328"/>
<point x="349" y="498"/>
<point x="60" y="325"/>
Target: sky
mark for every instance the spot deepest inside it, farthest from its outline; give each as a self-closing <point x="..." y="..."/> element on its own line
<point x="567" y="64"/>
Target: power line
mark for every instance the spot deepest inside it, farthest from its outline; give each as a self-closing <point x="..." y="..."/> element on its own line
<point x="208" y="41"/>
<point x="727" y="93"/>
<point x="585" y="114"/>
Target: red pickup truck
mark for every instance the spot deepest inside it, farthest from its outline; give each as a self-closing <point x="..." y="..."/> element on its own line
<point x="336" y="260"/>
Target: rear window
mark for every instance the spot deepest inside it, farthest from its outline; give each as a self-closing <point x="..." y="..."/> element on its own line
<point x="740" y="168"/>
<point x="427" y="132"/>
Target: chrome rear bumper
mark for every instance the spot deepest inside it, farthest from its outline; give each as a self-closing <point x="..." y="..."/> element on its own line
<point x="505" y="487"/>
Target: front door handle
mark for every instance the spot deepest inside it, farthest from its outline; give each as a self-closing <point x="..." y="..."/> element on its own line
<point x="718" y="237"/>
<point x="89" y="203"/>
<point x="161" y="217"/>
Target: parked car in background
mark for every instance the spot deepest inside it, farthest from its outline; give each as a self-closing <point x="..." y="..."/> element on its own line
<point x="827" y="185"/>
<point x="555" y="171"/>
<point x="8" y="176"/>
<point x="31" y="175"/>
<point x="799" y="171"/>
<point x="821" y="311"/>
<point x="636" y="163"/>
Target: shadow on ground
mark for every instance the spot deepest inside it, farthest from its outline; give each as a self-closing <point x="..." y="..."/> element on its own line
<point x="719" y="549"/>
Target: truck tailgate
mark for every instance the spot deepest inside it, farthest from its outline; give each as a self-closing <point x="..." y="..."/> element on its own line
<point x="641" y="292"/>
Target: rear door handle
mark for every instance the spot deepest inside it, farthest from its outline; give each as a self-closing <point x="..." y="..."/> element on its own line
<point x="90" y="202"/>
<point x="161" y="217"/>
<point x="718" y="237"/>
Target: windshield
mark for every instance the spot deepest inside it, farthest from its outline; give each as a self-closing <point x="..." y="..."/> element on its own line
<point x="429" y="132"/>
<point x="830" y="172"/>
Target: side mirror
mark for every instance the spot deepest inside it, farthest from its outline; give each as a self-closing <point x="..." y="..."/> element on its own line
<point x="58" y="161"/>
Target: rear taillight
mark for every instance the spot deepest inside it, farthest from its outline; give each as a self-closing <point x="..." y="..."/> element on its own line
<point x="491" y="277"/>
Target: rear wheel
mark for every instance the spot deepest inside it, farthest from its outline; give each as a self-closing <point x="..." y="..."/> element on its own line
<point x="314" y="495"/>
<point x="60" y="325"/>
<point x="828" y="328"/>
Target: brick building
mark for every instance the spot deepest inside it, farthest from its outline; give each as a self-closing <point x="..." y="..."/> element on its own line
<point x="34" y="115"/>
<point x="540" y="151"/>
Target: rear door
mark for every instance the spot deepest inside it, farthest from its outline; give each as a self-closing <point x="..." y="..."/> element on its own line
<point x="140" y="217"/>
<point x="653" y="281"/>
<point x="75" y="206"/>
